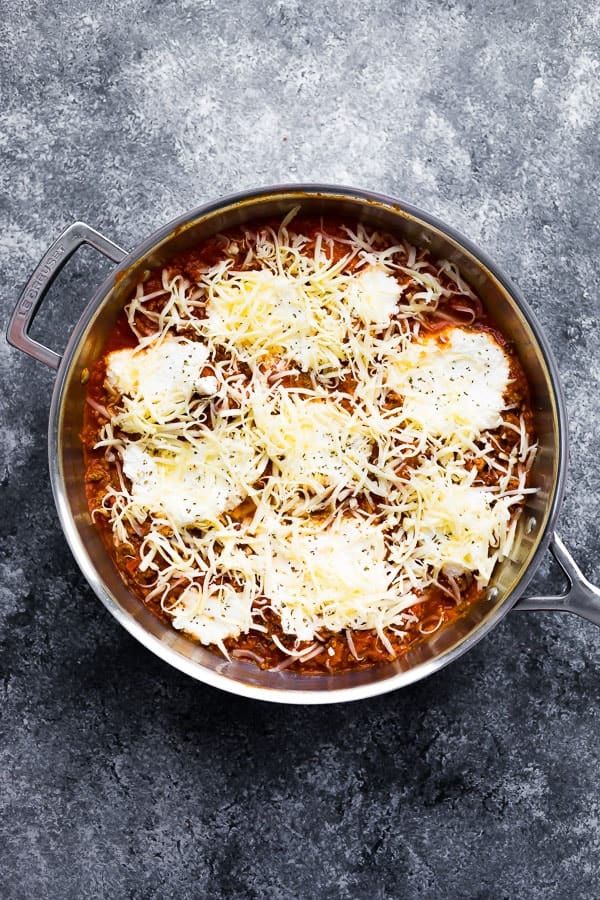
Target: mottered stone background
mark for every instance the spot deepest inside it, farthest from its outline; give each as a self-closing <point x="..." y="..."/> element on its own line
<point x="121" y="777"/>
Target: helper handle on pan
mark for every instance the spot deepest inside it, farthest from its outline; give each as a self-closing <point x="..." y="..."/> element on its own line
<point x="46" y="271"/>
<point x="581" y="597"/>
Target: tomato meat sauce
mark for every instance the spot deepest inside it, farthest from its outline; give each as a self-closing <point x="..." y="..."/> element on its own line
<point x="452" y="591"/>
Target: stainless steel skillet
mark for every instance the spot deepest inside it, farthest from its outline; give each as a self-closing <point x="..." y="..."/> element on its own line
<point x="503" y="302"/>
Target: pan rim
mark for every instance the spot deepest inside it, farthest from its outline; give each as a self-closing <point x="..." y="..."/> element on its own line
<point x="301" y="695"/>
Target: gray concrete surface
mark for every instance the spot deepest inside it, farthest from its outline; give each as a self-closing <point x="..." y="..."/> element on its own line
<point x="120" y="777"/>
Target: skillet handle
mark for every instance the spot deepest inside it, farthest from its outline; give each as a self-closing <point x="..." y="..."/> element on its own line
<point x="581" y="597"/>
<point x="45" y="272"/>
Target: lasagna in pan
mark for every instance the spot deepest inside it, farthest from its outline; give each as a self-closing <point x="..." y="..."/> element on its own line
<point x="306" y="444"/>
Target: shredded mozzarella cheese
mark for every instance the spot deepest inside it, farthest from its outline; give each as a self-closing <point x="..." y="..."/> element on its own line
<point x="275" y="426"/>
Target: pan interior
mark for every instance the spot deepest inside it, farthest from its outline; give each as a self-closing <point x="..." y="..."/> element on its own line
<point x="66" y="460"/>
